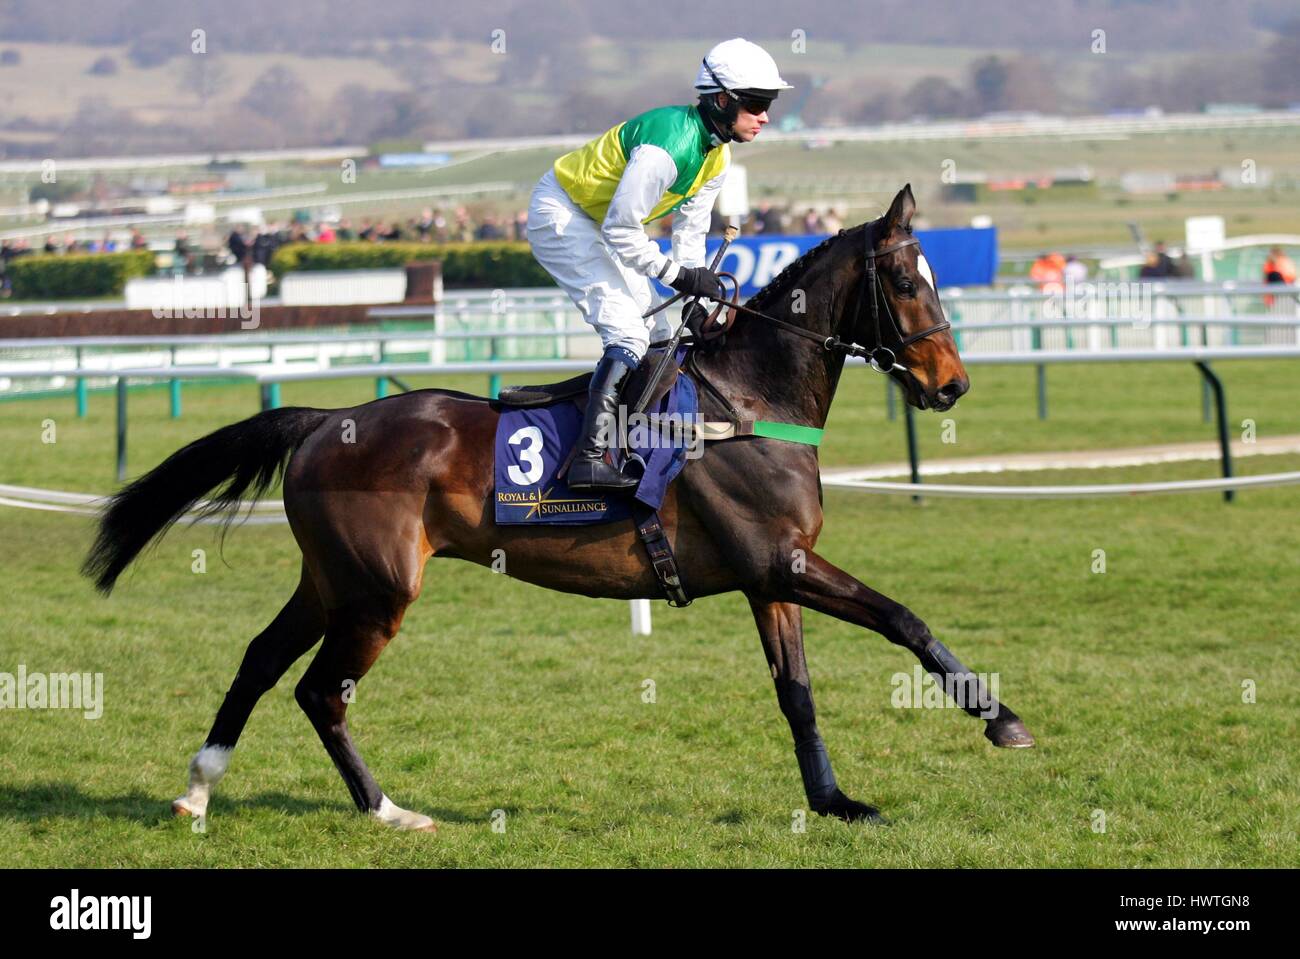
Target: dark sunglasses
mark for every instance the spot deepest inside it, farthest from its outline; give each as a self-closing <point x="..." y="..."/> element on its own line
<point x="754" y="105"/>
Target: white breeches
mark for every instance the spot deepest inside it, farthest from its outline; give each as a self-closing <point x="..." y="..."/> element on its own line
<point x="567" y="242"/>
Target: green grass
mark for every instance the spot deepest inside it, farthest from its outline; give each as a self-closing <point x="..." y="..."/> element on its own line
<point x="499" y="695"/>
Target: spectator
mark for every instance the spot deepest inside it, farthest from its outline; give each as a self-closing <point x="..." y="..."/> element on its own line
<point x="345" y="233"/>
<point x="1047" y="271"/>
<point x="1150" y="267"/>
<point x="7" y="252"/>
<point x="812" y="223"/>
<point x="424" y="225"/>
<point x="775" y="221"/>
<point x="1278" y="268"/>
<point x="263" y="247"/>
<point x="463" y="231"/>
<point x="183" y="256"/>
<point x="832" y="222"/>
<point x="1163" y="264"/>
<point x="236" y="244"/>
<point x="521" y="226"/>
<point x="488" y="229"/>
<point x="1075" y="271"/>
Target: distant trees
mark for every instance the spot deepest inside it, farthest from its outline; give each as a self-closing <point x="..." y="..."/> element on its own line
<point x="582" y="65"/>
<point x="338" y="27"/>
<point x="155" y="49"/>
<point x="103" y="67"/>
<point x="583" y="112"/>
<point x="278" y="95"/>
<point x="935" y="97"/>
<point x="1281" y="79"/>
<point x="989" y="84"/>
<point x="992" y="84"/>
<point x="204" y="75"/>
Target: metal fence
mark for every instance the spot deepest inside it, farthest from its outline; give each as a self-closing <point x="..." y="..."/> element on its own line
<point x="1115" y="315"/>
<point x="541" y="324"/>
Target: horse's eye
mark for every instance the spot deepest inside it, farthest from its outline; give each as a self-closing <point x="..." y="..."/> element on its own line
<point x="905" y="286"/>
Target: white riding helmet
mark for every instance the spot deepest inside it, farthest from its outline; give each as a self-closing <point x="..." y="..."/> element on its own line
<point x="739" y="66"/>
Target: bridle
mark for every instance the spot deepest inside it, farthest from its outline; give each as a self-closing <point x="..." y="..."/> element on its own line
<point x="890" y="342"/>
<point x="884" y="355"/>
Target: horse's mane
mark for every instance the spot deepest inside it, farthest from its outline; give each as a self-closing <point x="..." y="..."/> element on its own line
<point x="780" y="283"/>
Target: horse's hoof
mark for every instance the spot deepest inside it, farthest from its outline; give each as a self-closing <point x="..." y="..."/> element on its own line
<point x="393" y="815"/>
<point x="181" y="808"/>
<point x="850" y="810"/>
<point x="1008" y="735"/>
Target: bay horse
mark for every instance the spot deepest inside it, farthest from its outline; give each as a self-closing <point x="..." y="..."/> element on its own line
<point x="373" y="491"/>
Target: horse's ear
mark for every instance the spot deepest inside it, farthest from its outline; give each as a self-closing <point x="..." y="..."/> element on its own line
<point x="900" y="212"/>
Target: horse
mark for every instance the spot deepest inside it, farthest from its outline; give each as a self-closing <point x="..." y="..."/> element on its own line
<point x="374" y="491"/>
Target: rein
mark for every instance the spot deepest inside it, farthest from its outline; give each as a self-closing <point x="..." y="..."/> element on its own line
<point x="883" y="356"/>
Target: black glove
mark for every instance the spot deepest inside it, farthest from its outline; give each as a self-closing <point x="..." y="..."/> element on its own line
<point x="694" y="316"/>
<point x="698" y="281"/>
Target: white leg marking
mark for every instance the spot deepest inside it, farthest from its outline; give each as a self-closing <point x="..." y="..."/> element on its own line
<point x="400" y="818"/>
<point x="206" y="769"/>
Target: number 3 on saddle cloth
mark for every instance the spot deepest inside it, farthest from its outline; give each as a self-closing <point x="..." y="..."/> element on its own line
<point x="533" y="444"/>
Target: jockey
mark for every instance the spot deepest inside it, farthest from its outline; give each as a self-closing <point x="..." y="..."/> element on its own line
<point x="587" y="217"/>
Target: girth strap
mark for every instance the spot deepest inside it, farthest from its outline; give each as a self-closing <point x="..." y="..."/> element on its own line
<point x="660" y="551"/>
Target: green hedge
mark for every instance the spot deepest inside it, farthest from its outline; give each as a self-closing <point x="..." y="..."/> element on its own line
<point x="56" y="276"/>
<point x="487" y="264"/>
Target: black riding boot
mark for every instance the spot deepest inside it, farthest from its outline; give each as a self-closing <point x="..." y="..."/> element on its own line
<point x="589" y="471"/>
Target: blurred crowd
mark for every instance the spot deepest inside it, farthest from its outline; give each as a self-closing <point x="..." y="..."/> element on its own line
<point x="766" y="218"/>
<point x="249" y="245"/>
<point x="1052" y="271"/>
<point x="10" y="250"/>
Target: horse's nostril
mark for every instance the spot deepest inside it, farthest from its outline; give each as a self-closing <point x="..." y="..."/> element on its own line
<point x="952" y="391"/>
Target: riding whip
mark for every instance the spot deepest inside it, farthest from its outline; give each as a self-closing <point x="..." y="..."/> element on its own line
<point x="728" y="235"/>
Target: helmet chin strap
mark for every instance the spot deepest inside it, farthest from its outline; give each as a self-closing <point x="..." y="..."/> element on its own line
<point x="715" y="116"/>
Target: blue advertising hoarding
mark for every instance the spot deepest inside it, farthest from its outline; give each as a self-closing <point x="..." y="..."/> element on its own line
<point x="958" y="257"/>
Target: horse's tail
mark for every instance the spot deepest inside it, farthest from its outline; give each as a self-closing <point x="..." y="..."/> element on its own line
<point x="249" y="454"/>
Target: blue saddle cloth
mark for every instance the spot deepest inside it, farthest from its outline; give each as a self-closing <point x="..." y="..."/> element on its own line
<point x="532" y="444"/>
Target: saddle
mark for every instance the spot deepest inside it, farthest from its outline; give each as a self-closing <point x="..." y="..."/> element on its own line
<point x="649" y="528"/>
<point x="527" y="397"/>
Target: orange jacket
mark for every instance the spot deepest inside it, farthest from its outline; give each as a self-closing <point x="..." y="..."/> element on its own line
<point x="1047" y="274"/>
<point x="1281" y="265"/>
